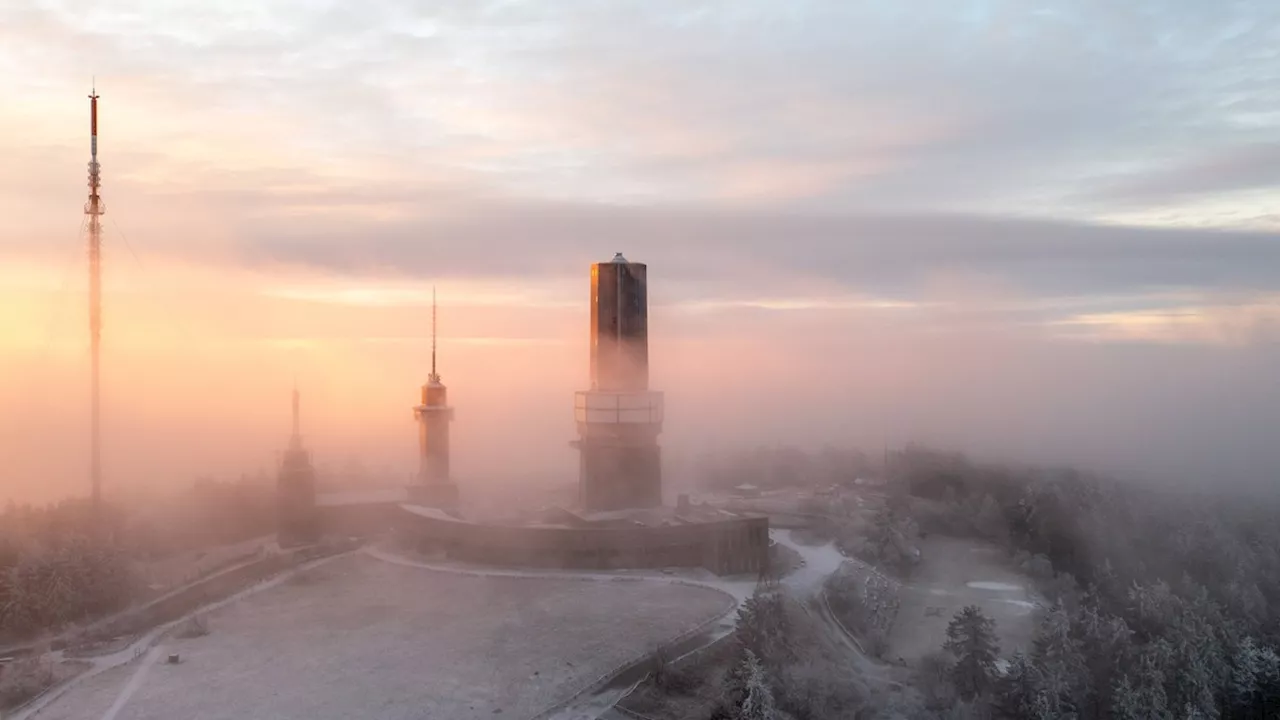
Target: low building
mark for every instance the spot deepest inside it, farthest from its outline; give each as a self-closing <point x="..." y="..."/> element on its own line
<point x="360" y="513"/>
<point x="723" y="542"/>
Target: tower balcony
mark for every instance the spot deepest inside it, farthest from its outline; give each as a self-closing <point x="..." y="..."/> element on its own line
<point x="433" y="411"/>
<point x="611" y="411"/>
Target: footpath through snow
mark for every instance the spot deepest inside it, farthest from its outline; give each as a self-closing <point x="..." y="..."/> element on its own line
<point x="139" y="647"/>
<point x="805" y="582"/>
<point x="601" y="695"/>
<point x="820" y="561"/>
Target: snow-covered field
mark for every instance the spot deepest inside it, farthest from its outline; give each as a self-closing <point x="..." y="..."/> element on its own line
<point x="358" y="637"/>
<point x="953" y="573"/>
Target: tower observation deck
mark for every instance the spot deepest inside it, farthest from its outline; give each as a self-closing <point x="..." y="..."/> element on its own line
<point x="619" y="418"/>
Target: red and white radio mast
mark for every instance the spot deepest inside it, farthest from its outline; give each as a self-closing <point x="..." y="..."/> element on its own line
<point x="94" y="208"/>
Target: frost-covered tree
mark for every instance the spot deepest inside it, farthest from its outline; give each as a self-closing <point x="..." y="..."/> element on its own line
<point x="988" y="519"/>
<point x="971" y="639"/>
<point x="757" y="700"/>
<point x="1061" y="678"/>
<point x="762" y="626"/>
<point x="933" y="676"/>
<point x="889" y="541"/>
<point x="18" y="606"/>
<point x="814" y="690"/>
<point x="1105" y="644"/>
<point x="1139" y="694"/>
<point x="1018" y="692"/>
<point x="1196" y="665"/>
<point x="46" y="587"/>
<point x="1245" y="599"/>
<point x="1254" y="668"/>
<point x="734" y="688"/>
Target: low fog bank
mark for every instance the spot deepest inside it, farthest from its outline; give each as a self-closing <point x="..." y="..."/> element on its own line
<point x="1171" y="413"/>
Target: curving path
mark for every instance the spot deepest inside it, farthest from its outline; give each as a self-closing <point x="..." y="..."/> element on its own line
<point x="810" y="584"/>
<point x="599" y="696"/>
<point x="806" y="583"/>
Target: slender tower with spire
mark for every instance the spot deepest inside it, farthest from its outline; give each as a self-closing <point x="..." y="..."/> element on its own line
<point x="94" y="209"/>
<point x="433" y="486"/>
<point x="296" y="521"/>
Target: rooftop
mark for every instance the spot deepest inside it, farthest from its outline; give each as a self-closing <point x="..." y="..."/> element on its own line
<point x="371" y="496"/>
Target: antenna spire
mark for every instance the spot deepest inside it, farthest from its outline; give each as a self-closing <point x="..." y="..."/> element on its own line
<point x="94" y="208"/>
<point x="297" y="433"/>
<point x="435" y="377"/>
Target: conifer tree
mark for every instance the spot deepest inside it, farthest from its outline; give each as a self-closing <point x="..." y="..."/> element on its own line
<point x="971" y="639"/>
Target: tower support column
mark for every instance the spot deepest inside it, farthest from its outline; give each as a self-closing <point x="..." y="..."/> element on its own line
<point x="434" y="486"/>
<point x="620" y="463"/>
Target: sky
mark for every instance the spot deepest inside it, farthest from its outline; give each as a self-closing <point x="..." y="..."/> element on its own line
<point x="1042" y="230"/>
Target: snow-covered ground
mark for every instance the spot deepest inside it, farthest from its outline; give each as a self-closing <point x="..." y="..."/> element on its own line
<point x="953" y="573"/>
<point x="357" y="637"/>
<point x="100" y="664"/>
<point x="993" y="586"/>
<point x="597" y="698"/>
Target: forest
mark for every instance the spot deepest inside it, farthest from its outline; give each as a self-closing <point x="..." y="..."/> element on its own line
<point x="1166" y="603"/>
<point x="59" y="566"/>
<point x="1163" y="604"/>
<point x="51" y="572"/>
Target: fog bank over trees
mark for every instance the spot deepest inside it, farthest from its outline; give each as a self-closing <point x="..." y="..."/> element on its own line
<point x="1158" y="604"/>
<point x="1169" y="413"/>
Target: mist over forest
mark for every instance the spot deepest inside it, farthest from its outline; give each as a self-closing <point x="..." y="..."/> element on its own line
<point x="1163" y="413"/>
<point x="1156" y="603"/>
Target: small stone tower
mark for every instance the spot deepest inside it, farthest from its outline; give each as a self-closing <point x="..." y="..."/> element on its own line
<point x="296" y="519"/>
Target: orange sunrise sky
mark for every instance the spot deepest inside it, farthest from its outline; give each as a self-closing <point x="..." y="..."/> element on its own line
<point x="854" y="236"/>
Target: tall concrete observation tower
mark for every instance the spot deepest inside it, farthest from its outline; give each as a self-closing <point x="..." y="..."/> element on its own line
<point x="619" y="418"/>
<point x="434" y="486"/>
<point x="296" y="521"/>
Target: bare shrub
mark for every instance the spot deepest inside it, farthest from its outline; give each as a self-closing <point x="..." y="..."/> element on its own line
<point x="193" y="627"/>
<point x="866" y="601"/>
<point x="818" y="690"/>
<point x="24" y="679"/>
<point x="672" y="679"/>
<point x="933" y="679"/>
<point x="310" y="576"/>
